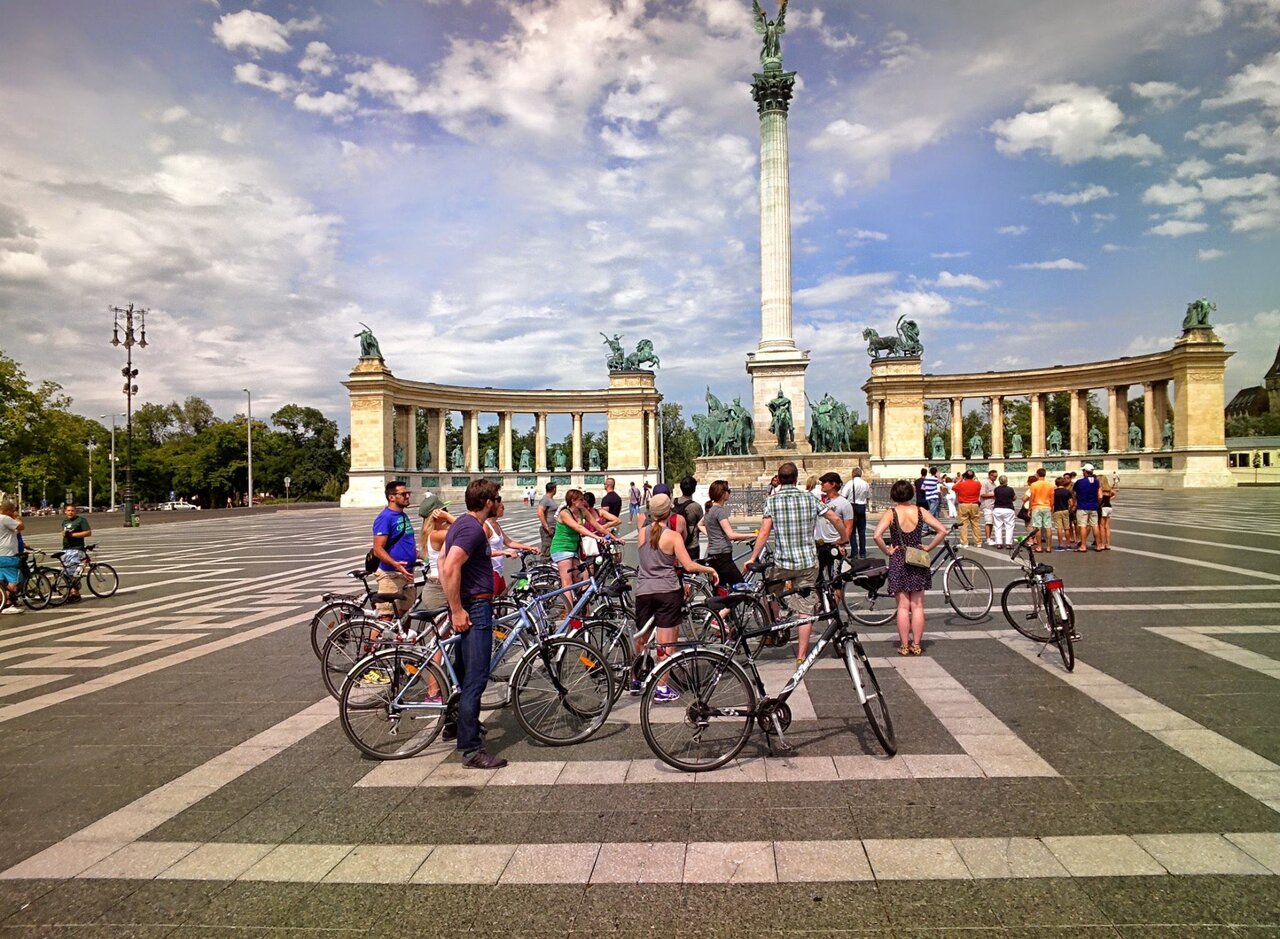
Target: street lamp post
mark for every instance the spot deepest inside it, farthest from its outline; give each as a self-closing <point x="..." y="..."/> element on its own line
<point x="91" y="446"/>
<point x="249" y="422"/>
<point x="124" y="318"/>
<point x="112" y="456"/>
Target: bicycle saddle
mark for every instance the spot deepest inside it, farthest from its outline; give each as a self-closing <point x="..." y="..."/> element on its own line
<point x="1041" y="570"/>
<point x="358" y="573"/>
<point x="427" y="616"/>
<point x="858" y="565"/>
<point x="727" y="602"/>
<point x="385" y="597"/>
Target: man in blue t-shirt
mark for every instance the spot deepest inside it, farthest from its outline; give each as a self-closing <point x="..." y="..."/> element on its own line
<point x="396" y="551"/>
<point x="1087" y="489"/>
<point x="467" y="578"/>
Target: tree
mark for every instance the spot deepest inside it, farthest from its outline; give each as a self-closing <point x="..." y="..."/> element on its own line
<point x="679" y="441"/>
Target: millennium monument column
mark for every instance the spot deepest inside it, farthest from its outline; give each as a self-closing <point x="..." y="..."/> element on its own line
<point x="777" y="366"/>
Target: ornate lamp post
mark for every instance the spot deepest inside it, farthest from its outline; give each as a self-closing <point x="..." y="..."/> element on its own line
<point x="90" y="446"/>
<point x="112" y="457"/>
<point x="124" y="319"/>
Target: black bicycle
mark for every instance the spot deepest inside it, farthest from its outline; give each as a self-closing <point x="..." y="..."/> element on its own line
<point x="1037" y="606"/>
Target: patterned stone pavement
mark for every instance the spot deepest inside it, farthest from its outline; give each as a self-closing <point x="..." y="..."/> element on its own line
<point x="172" y="766"/>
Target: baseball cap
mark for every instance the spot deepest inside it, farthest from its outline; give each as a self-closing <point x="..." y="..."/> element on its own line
<point x="1088" y="467"/>
<point x="662" y="489"/>
<point x="431" y="502"/>
<point x="660" y="506"/>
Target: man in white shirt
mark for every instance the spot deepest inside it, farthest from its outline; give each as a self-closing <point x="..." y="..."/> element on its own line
<point x="826" y="533"/>
<point x="858" y="492"/>
<point x="10" y="565"/>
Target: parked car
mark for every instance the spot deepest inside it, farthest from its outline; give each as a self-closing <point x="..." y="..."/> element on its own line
<point x="177" y="507"/>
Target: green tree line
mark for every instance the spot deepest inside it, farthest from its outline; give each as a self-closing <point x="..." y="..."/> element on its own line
<point x="181" y="447"/>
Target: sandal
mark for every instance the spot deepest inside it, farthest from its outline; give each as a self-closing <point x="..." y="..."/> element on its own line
<point x="904" y="649"/>
<point x="916" y="650"/>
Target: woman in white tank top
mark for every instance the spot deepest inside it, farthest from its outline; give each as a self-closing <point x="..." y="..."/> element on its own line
<point x="501" y="545"/>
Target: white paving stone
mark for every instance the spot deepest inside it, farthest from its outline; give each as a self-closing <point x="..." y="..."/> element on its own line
<point x="1008" y="857"/>
<point x="1199" y="854"/>
<point x="730" y="862"/>
<point x="915" y="859"/>
<point x="1102" y="856"/>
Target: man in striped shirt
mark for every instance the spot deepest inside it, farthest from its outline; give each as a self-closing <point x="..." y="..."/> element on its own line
<point x="931" y="490"/>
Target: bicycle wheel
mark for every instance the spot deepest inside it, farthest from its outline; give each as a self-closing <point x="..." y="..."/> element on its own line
<point x="710" y="723"/>
<point x="562" y="691"/>
<point x="385" y="707"/>
<point x="1063" y="620"/>
<point x="873" y="703"/>
<point x="59" y="586"/>
<point x="102" y="579"/>
<point x="329" y="617"/>
<point x="346" y="646"/>
<point x="869" y="607"/>
<point x="611" y="640"/>
<point x="37" y="590"/>
<point x="1034" y="624"/>
<point x="496" y="694"/>
<point x="968" y="588"/>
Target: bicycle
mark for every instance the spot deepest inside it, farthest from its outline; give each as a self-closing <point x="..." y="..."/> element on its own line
<point x="725" y="697"/>
<point x="34" y="588"/>
<point x="101" y="578"/>
<point x="1051" y="618"/>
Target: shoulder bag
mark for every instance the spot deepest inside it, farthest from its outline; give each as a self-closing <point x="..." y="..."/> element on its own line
<point x="912" y="557"/>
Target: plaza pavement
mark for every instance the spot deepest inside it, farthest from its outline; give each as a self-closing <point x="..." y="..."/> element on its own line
<point x="170" y="766"/>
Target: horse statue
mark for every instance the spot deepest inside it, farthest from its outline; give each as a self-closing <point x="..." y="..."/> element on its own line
<point x="644" y="354"/>
<point x="877" y="344"/>
<point x="617" y="358"/>
<point x="1198" y="314"/>
<point x="905" y="344"/>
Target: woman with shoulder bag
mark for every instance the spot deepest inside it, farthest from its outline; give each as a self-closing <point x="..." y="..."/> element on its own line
<point x="909" y="574"/>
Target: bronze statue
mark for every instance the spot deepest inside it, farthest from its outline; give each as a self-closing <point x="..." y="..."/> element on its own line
<point x="1055" y="442"/>
<point x="1198" y="314"/>
<point x="771" y="30"/>
<point x="490" y="459"/>
<point x="1166" y="435"/>
<point x="369" y="348"/>
<point x="617" y="358"/>
<point x="644" y="354"/>
<point x="593" y="459"/>
<point x="906" y="344"/>
<point x="782" y="425"/>
<point x="1016" y="448"/>
<point x="1095" y="439"/>
<point x="398" y="456"/>
<point x="456" y="459"/>
<point x="1135" y="437"/>
<point x="526" y="461"/>
<point x="935" y="443"/>
<point x="975" y="447"/>
<point x="561" y="463"/>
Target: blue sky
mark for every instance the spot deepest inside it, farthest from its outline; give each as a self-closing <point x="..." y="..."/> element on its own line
<point x="490" y="183"/>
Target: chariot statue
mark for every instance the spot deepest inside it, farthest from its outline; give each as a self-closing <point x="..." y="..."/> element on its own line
<point x="617" y="358"/>
<point x="905" y="345"/>
<point x="1198" y="315"/>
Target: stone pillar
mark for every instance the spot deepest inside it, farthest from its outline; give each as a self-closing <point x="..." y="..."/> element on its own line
<point x="411" y="440"/>
<point x="1118" y="418"/>
<point x="438" y="435"/>
<point x="631" y="396"/>
<point x="957" y="429"/>
<point x="1150" y="425"/>
<point x="776" y="363"/>
<point x="540" y="442"/>
<point x="1162" y="412"/>
<point x="651" y="440"/>
<point x="898" y="384"/>
<point x="1199" y="437"/>
<point x="373" y="418"/>
<point x="576" y="463"/>
<point x="997" y="428"/>
<point x="873" y="428"/>
<point x="1079" y="421"/>
<point x="471" y="441"/>
<point x="1037" y="425"/>
<point x="506" y="461"/>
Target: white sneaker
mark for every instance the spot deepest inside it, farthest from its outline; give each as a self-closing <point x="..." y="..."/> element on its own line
<point x="12" y="609"/>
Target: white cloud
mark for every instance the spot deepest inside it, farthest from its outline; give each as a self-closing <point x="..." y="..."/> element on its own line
<point x="1162" y="95"/>
<point x="948" y="255"/>
<point x="839" y="289"/>
<point x="1112" y="248"/>
<point x="1193" y="168"/>
<point x="897" y="50"/>
<point x="872" y="148"/>
<point x="1250" y="140"/>
<point x="318" y="59"/>
<point x="861" y="235"/>
<point x="1074" y="123"/>
<point x="251" y="30"/>
<point x="251" y="73"/>
<point x="1061" y="264"/>
<point x="1259" y="82"/>
<point x="22" y="266"/>
<point x="816" y="20"/>
<point x="1013" y="230"/>
<point x="914" y="304"/>
<point x="1211" y="254"/>
<point x="174" y="114"/>
<point x="329" y="104"/>
<point x="948" y="281"/>
<point x="1176" y="228"/>
<point x="1090" y="193"/>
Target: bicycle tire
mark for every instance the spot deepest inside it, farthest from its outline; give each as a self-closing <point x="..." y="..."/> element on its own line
<point x="714" y="682"/>
<point x="968" y="588"/>
<point x="102" y="580"/>
<point x="59" y="586"/>
<point x="1035" y="624"/>
<point x="611" y="640"/>
<point x="557" y="717"/>
<point x="874" y="706"/>
<point x="372" y="727"/>
<point x="37" y="590"/>
<point x="870" y="608"/>
<point x="1063" y="627"/>
<point x="329" y="617"/>
<point x="347" y="645"/>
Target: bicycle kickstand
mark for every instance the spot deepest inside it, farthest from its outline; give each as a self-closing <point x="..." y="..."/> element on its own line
<point x="781" y="748"/>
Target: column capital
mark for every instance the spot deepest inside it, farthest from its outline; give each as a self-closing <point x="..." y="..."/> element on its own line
<point x="772" y="91"/>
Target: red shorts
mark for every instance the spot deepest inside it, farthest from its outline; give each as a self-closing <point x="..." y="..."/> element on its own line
<point x="499" y="584"/>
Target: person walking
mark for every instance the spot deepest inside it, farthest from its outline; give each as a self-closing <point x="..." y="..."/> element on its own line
<point x="396" y="549"/>
<point x="633" y="502"/>
<point x="988" y="501"/>
<point x="922" y="498"/>
<point x="789" y="517"/>
<point x="467" y="577"/>
<point x="659" y="595"/>
<point x="10" y="561"/>
<point x="906" y="524"/>
<point x="1004" y="514"/>
<point x="858" y="491"/>
<point x="546" y="519"/>
<point x="968" y="496"/>
<point x="721" y="535"/>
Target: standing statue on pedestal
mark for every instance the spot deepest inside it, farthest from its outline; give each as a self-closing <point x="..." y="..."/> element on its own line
<point x="455" y="460"/>
<point x="936" y="451"/>
<point x="782" y="425"/>
<point x="526" y="461"/>
<point x="424" y="460"/>
<point x="771" y="30"/>
<point x="1135" y="437"/>
<point x="1166" y="435"/>
<point x="398" y="456"/>
<point x="1016" y="448"/>
<point x="561" y="463"/>
<point x="617" y="358"/>
<point x="369" y="348"/>
<point x="975" y="447"/>
<point x="1198" y="314"/>
<point x="1055" y="442"/>
<point x="490" y="459"/>
<point x="593" y="459"/>
<point x="1095" y="439"/>
<point x="742" y="428"/>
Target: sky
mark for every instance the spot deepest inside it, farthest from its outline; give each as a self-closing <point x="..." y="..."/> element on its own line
<point x="489" y="184"/>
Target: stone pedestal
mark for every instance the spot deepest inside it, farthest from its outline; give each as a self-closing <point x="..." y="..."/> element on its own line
<point x="770" y="371"/>
<point x="629" y="431"/>
<point x="897" y="386"/>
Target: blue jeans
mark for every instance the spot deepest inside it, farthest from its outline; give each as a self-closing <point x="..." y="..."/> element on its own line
<point x="933" y="506"/>
<point x="471" y="662"/>
<point x="859" y="542"/>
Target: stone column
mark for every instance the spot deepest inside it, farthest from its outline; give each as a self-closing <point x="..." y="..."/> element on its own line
<point x="1079" y="421"/>
<point x="438" y="435"/>
<point x="540" y="442"/>
<point x="411" y="441"/>
<point x="997" y="427"/>
<point x="576" y="464"/>
<point x="506" y="462"/>
<point x="1150" y="417"/>
<point x="651" y="442"/>
<point x="957" y="429"/>
<point x="1037" y="425"/>
<point x="1118" y="418"/>
<point x="471" y="441"/>
<point x="1162" y="412"/>
<point x="873" y="428"/>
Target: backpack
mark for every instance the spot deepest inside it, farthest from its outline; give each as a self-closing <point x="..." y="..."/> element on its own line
<point x="690" y="525"/>
<point x="371" y="560"/>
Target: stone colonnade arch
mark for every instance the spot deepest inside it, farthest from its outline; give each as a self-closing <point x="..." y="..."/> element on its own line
<point x="384" y="426"/>
<point x="898" y="391"/>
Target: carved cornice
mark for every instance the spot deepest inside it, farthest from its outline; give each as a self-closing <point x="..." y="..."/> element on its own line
<point x="772" y="90"/>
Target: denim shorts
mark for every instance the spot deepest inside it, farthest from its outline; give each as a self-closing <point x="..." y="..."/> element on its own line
<point x="559" y="556"/>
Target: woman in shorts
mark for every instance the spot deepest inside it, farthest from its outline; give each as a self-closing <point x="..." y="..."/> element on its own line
<point x="1106" y="493"/>
<point x="659" y="594"/>
<point x="566" y="541"/>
